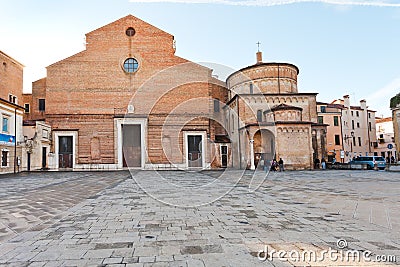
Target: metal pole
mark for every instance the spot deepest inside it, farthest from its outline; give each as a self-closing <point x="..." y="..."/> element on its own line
<point x="15" y="139"/>
<point x="351" y="144"/>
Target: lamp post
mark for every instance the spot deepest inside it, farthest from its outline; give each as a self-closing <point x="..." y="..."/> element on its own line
<point x="351" y="142"/>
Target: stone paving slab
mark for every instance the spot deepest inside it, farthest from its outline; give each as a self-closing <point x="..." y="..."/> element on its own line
<point x="33" y="201"/>
<point x="202" y="219"/>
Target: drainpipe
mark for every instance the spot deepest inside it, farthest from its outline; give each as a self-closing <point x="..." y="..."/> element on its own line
<point x="369" y="137"/>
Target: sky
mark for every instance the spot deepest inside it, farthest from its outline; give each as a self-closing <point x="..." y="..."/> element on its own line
<point x="340" y="46"/>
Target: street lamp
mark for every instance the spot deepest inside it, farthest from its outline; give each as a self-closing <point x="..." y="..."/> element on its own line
<point x="351" y="142"/>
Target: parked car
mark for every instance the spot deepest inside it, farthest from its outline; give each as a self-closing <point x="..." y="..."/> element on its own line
<point x="369" y="161"/>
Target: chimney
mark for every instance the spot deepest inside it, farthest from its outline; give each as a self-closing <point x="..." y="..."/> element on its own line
<point x="259" y="57"/>
<point x="363" y="104"/>
<point x="346" y="101"/>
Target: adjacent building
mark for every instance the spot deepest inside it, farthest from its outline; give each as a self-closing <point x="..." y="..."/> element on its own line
<point x="331" y="114"/>
<point x="395" y="107"/>
<point x="385" y="136"/>
<point x="11" y="113"/>
<point x="351" y="131"/>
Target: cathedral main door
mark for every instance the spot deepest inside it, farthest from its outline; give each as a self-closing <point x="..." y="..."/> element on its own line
<point x="132" y="145"/>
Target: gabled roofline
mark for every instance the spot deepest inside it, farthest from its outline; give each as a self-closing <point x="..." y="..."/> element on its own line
<point x="283" y="106"/>
<point x="12" y="59"/>
<point x="127" y="16"/>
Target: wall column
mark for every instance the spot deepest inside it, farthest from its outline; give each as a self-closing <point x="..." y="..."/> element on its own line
<point x="252" y="166"/>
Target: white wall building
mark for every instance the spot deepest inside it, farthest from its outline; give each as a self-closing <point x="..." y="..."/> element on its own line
<point x="358" y="129"/>
<point x="385" y="136"/>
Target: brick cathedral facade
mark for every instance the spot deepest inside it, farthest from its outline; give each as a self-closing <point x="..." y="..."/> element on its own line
<point x="128" y="101"/>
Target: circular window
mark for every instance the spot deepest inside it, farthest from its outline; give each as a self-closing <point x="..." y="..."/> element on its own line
<point x="130" y="31"/>
<point x="131" y="65"/>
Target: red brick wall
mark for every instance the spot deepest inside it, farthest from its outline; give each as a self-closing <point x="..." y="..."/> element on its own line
<point x="11" y="73"/>
<point x="88" y="126"/>
<point x="38" y="92"/>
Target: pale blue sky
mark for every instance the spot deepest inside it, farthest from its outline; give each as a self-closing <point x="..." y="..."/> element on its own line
<point x="339" y="49"/>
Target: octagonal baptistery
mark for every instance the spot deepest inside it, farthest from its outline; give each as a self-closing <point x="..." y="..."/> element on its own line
<point x="265" y="78"/>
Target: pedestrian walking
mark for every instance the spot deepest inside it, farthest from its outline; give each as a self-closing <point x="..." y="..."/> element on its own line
<point x="280" y="162"/>
<point x="273" y="165"/>
<point x="316" y="163"/>
<point x="323" y="163"/>
<point x="266" y="165"/>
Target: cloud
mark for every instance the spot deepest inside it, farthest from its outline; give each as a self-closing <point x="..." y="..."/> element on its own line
<point x="384" y="3"/>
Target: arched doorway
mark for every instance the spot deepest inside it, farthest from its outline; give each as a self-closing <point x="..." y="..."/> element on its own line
<point x="264" y="147"/>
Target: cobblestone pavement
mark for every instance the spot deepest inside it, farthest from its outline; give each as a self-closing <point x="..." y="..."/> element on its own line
<point x="200" y="219"/>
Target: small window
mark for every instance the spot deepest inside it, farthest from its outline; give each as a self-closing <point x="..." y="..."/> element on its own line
<point x="323" y="109"/>
<point x="335" y="120"/>
<point x="5" y="127"/>
<point x="320" y="119"/>
<point x="131" y="65"/>
<point x="357" y="114"/>
<point x="216" y="105"/>
<point x="337" y="139"/>
<point x="259" y="115"/>
<point x="352" y="113"/>
<point x="12" y="99"/>
<point x="130" y="32"/>
<point x="45" y="134"/>
<point x="359" y="141"/>
<point x="354" y="141"/>
<point x="42" y="105"/>
<point x="358" y="125"/>
<point x="251" y="88"/>
<point x="369" y="115"/>
<point x="370" y="126"/>
<point x="4" y="158"/>
<point x="27" y="108"/>
<point x="352" y="124"/>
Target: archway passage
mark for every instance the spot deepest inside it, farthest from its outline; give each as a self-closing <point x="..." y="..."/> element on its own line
<point x="264" y="148"/>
